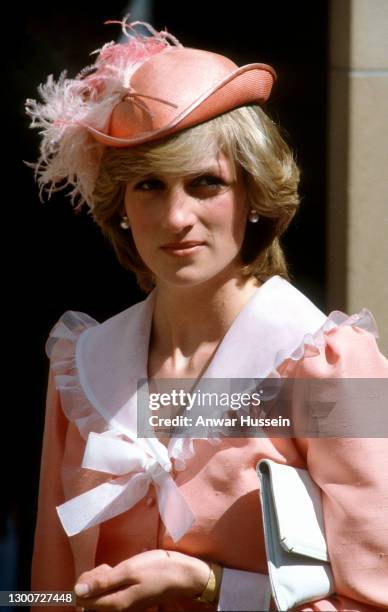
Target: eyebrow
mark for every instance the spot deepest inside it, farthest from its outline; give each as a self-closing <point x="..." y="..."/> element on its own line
<point x="211" y="169"/>
<point x="214" y="169"/>
<point x="194" y="172"/>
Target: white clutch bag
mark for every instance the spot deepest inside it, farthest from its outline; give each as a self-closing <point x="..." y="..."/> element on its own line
<point x="298" y="562"/>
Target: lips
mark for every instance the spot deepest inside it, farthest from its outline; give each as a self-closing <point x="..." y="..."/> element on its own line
<point x="185" y="248"/>
<point x="180" y="246"/>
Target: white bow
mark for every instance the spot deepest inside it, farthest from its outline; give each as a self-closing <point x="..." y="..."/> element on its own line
<point x="135" y="471"/>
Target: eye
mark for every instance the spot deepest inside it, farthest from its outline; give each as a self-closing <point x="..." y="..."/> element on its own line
<point x="149" y="185"/>
<point x="209" y="181"/>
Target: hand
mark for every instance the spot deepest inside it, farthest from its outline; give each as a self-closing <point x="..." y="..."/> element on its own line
<point x="143" y="581"/>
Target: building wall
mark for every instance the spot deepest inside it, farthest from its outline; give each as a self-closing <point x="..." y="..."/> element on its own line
<point x="357" y="229"/>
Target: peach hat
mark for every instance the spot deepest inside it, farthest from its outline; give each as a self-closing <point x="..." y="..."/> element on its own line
<point x="136" y="92"/>
<point x="180" y="88"/>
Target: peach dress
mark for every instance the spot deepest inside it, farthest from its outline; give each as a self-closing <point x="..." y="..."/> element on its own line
<point x="106" y="495"/>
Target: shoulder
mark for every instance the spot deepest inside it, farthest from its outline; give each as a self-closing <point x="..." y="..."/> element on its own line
<point x="73" y="324"/>
<point x="95" y="363"/>
<point x="67" y="329"/>
<point x="349" y="349"/>
<point x="344" y="347"/>
<point x="85" y="361"/>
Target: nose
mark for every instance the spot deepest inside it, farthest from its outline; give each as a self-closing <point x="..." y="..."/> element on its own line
<point x="178" y="210"/>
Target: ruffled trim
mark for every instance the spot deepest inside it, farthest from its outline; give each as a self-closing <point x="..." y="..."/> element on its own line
<point x="312" y="344"/>
<point x="61" y="350"/>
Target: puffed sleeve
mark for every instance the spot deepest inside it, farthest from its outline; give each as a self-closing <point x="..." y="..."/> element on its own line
<point x="52" y="563"/>
<point x="352" y="474"/>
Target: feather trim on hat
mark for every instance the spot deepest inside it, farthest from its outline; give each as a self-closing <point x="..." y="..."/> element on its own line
<point x="69" y="155"/>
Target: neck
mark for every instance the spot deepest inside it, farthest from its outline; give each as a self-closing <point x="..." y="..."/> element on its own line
<point x="186" y="319"/>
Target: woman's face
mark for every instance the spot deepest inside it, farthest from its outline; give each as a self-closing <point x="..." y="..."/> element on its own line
<point x="189" y="229"/>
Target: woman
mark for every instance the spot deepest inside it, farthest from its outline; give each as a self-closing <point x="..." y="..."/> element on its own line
<point x="192" y="183"/>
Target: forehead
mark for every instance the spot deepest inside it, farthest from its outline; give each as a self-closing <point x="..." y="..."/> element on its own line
<point x="192" y="149"/>
<point x="218" y="163"/>
<point x="180" y="166"/>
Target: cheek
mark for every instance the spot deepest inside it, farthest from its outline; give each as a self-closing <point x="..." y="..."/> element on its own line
<point x="141" y="221"/>
<point x="229" y="215"/>
<point x="141" y="228"/>
<point x="141" y="224"/>
<point x="143" y="233"/>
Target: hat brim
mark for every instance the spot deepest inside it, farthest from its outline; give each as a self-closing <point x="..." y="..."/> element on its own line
<point x="248" y="84"/>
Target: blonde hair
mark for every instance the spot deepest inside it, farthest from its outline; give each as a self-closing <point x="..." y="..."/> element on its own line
<point x="252" y="141"/>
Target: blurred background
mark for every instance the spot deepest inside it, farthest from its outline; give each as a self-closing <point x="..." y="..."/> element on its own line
<point x="330" y="99"/>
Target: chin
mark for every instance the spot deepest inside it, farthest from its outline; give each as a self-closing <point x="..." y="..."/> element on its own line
<point x="186" y="278"/>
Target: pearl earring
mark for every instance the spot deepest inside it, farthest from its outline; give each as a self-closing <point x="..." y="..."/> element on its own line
<point x="124" y="223"/>
<point x="253" y="216"/>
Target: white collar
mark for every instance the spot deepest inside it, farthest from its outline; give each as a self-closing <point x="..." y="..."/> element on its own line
<point x="111" y="358"/>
